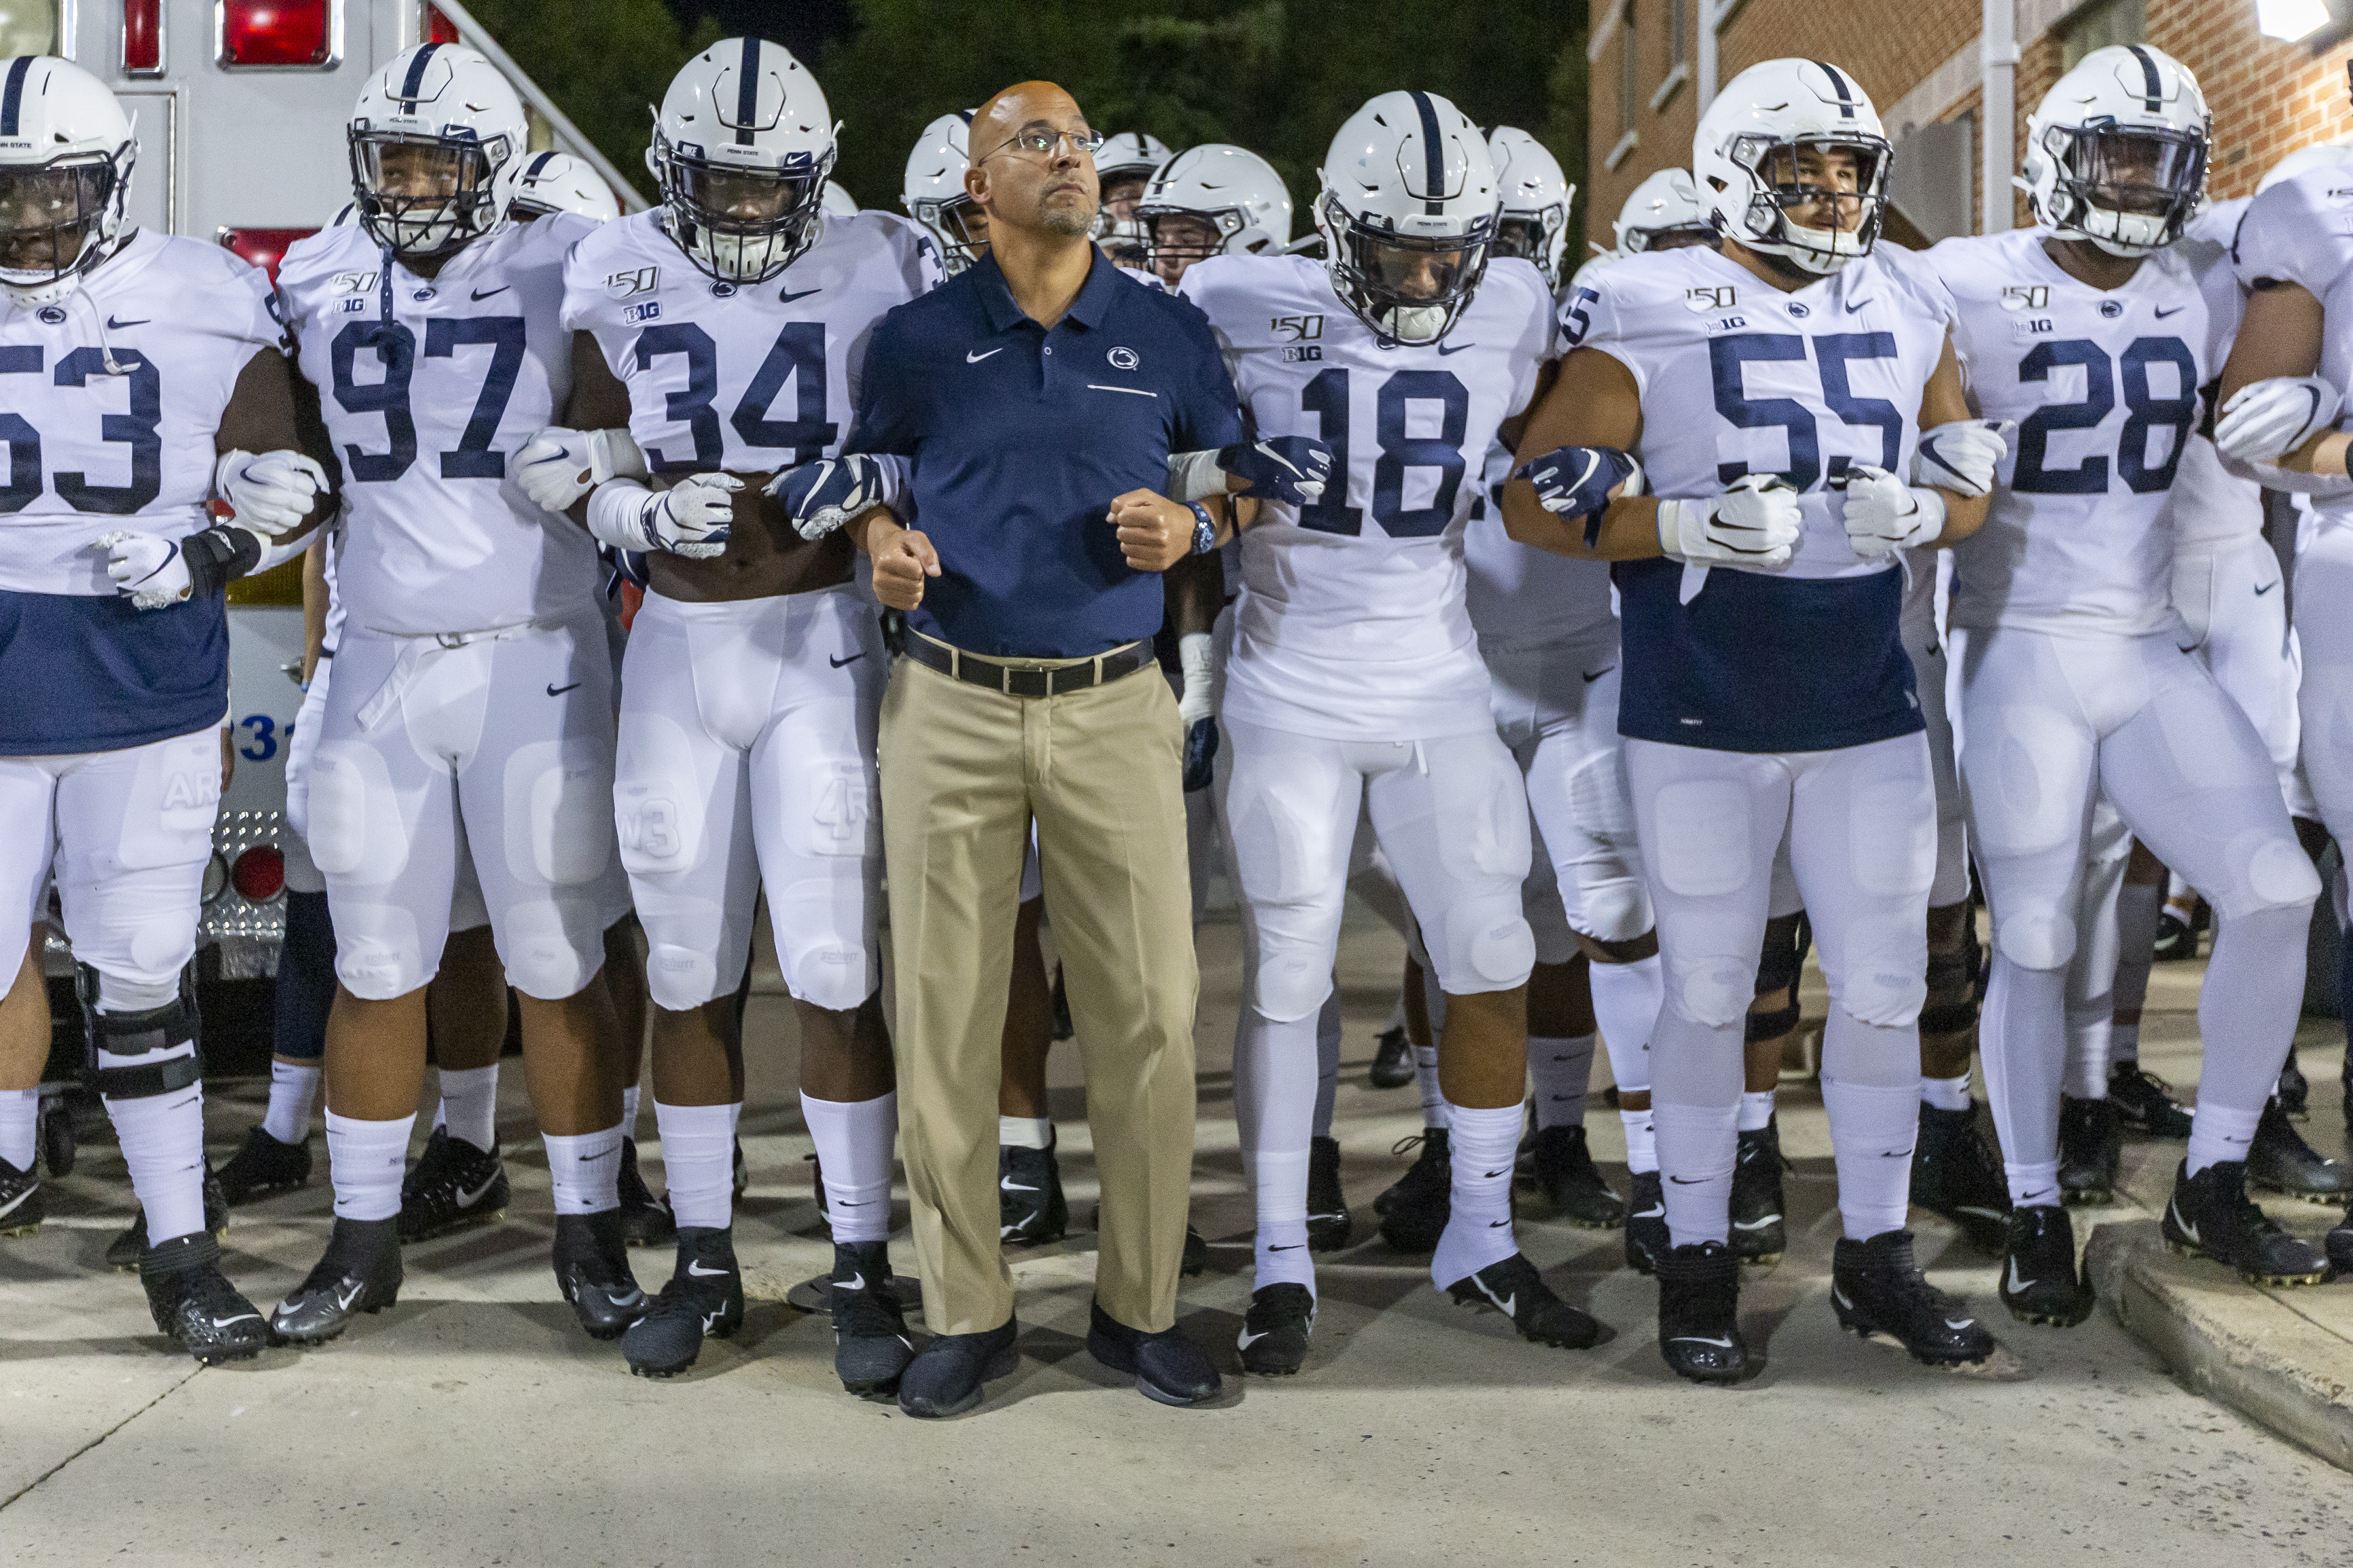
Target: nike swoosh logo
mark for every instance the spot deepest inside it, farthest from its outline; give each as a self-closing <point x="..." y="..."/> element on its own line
<point x="1681" y="1183"/>
<point x="556" y="690"/>
<point x="1600" y="673"/>
<point x="2016" y="1284"/>
<point x="786" y="299"/>
<point x="1505" y="1304"/>
<point x="624" y="1298"/>
<point x="2192" y="648"/>
<point x="1858" y="305"/>
<point x="240" y="1317"/>
<point x="344" y="1298"/>
<point x="20" y="1199"/>
<point x="1722" y="1345"/>
<point x="1010" y="1185"/>
<point x="855" y="1282"/>
<point x="1659" y="1212"/>
<point x="2174" y="311"/>
<point x="2186" y="1229"/>
<point x="1445" y="349"/>
<point x="1960" y="1322"/>
<point x="1490" y="1175"/>
<point x="482" y="294"/>
<point x="2265" y="589"/>
<point x="1755" y="1224"/>
<point x="1840" y="1297"/>
<point x="467" y="1200"/>
<point x="972" y="358"/>
<point x="1497" y="1224"/>
<point x="114" y="326"/>
<point x="1292" y="1247"/>
<point x="837" y="663"/>
<point x="700" y="1272"/>
<point x="1249" y="1339"/>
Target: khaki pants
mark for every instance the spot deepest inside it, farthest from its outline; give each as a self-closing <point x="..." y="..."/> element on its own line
<point x="964" y="770"/>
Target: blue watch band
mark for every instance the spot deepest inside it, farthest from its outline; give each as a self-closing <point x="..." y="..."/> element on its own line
<point x="1205" y="530"/>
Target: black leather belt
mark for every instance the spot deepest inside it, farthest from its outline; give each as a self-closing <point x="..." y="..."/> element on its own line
<point x="1013" y="680"/>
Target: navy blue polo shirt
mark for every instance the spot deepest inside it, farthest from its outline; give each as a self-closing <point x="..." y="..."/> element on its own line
<point x="1019" y="437"/>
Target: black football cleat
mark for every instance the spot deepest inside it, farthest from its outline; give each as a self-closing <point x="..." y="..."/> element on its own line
<point x="1878" y="1291"/>
<point x="645" y="1218"/>
<point x="263" y="1166"/>
<point x="1759" y="1230"/>
<point x="704" y="1298"/>
<point x="192" y="1301"/>
<point x="1030" y="1207"/>
<point x="452" y="1185"/>
<point x="2039" y="1281"/>
<point x="2210" y="1215"/>
<point x="2144" y="1103"/>
<point x="1565" y="1176"/>
<point x="871" y="1347"/>
<point x="1513" y="1288"/>
<point x="591" y="1259"/>
<point x="1956" y="1176"/>
<point x="360" y="1272"/>
<point x="1699" y="1313"/>
<point x="2294" y="1089"/>
<point x="2279" y="1160"/>
<point x="1646" y="1223"/>
<point x="1275" y="1331"/>
<point x="22" y="1205"/>
<point x="1392" y="1060"/>
<point x="125" y="1251"/>
<point x="2090" y="1152"/>
<point x="2177" y="938"/>
<point x="1415" y="1208"/>
<point x="1330" y="1226"/>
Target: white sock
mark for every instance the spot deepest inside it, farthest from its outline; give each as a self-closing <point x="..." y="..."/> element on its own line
<point x="629" y="1111"/>
<point x="1756" y="1110"/>
<point x="2032" y="1182"/>
<point x="585" y="1169"/>
<point x="469" y="1106"/>
<point x="20" y="1114"/>
<point x="1485" y="1140"/>
<point x="1625" y="1006"/>
<point x="854" y="1141"/>
<point x="1946" y="1093"/>
<point x="1872" y="1128"/>
<point x="1561" y="1070"/>
<point x="1026" y="1131"/>
<point x="1278" y="1194"/>
<point x="2124" y="1045"/>
<point x="698" y="1162"/>
<point x="2219" y="1133"/>
<point x="163" y="1138"/>
<point x="1641" y="1141"/>
<point x="293" y="1090"/>
<point x="364" y="1160"/>
<point x="1697" y="1144"/>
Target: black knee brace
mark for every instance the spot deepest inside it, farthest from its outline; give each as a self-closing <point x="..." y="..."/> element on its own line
<point x="1779" y="963"/>
<point x="135" y="1034"/>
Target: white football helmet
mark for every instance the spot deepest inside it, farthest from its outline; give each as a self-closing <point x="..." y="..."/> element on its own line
<point x="1750" y="158"/>
<point x="1536" y="196"/>
<point x="839" y="203"/>
<point x="66" y="153"/>
<point x="2116" y="152"/>
<point x="559" y="183"/>
<point x="935" y="196"/>
<point x="742" y="144"/>
<point x="2304" y="159"/>
<point x="1664" y="212"/>
<point x="432" y="139"/>
<point x="1232" y="191"/>
<point x="1407" y="212"/>
<point x="1130" y="156"/>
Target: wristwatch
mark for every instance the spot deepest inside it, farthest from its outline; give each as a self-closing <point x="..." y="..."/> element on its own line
<point x="1205" y="530"/>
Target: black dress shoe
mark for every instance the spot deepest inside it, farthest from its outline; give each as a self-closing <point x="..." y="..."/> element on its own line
<point x="1168" y="1367"/>
<point x="945" y="1377"/>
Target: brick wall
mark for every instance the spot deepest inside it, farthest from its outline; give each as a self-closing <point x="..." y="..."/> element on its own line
<point x="2268" y="98"/>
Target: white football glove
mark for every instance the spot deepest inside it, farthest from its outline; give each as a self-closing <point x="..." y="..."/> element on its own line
<point x="1882" y="514"/>
<point x="557" y="466"/>
<point x="1961" y="457"/>
<point x="689" y="519"/>
<point x="151" y="569"/>
<point x="1194" y="656"/>
<point x="271" y="492"/>
<point x="2269" y="417"/>
<point x="1753" y="523"/>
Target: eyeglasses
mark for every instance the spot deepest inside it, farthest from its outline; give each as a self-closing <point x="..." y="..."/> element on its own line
<point x="1041" y="143"/>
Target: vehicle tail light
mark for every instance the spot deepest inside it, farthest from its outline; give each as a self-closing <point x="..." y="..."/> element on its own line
<point x="143" y="36"/>
<point x="263" y="247"/>
<point x="259" y="874"/>
<point x="276" y="31"/>
<point x="439" y="29"/>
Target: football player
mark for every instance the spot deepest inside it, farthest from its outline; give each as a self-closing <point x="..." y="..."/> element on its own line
<point x="722" y="332"/>
<point x="1354" y="666"/>
<point x="935" y="196"/>
<point x="116" y="652"/>
<point x="472" y="678"/>
<point x="1772" y="387"/>
<point x="1124" y="167"/>
<point x="2076" y="675"/>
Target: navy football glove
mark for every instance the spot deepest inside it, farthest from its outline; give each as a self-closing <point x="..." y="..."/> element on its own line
<point x="824" y="495"/>
<point x="1201" y="754"/>
<point x="1576" y="481"/>
<point x="1289" y="469"/>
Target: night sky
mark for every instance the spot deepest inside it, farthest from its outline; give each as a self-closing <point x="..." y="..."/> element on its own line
<point x="801" y="25"/>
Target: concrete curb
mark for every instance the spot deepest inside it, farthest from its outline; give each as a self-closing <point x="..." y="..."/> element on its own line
<point x="2245" y="1346"/>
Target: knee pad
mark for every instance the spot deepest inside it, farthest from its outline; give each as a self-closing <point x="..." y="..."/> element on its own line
<point x="2279" y="876"/>
<point x="379" y="953"/>
<point x="1616" y="909"/>
<point x="1708" y="964"/>
<point x="1881" y="980"/>
<point x="681" y="979"/>
<point x="1484" y="945"/>
<point x="1292" y="978"/>
<point x="358" y="832"/>
<point x="560" y="803"/>
<point x="826" y="943"/>
<point x="160" y="1043"/>
<point x="552" y="947"/>
<point x="2039" y="940"/>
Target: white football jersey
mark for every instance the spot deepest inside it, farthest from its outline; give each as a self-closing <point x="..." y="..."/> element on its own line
<point x="428" y="387"/>
<point x="2209" y="506"/>
<point x="2104" y="388"/>
<point x="1739" y="377"/>
<point x="1352" y="623"/>
<point x="89" y="452"/>
<point x="741" y="379"/>
<point x="1521" y="597"/>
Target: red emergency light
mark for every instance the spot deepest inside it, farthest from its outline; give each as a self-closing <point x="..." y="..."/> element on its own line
<point x="439" y="29"/>
<point x="276" y="31"/>
<point x="258" y="874"/>
<point x="142" y="37"/>
<point x="263" y="247"/>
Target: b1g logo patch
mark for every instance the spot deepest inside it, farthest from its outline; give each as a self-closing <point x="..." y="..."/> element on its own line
<point x="2026" y="297"/>
<point x="649" y="311"/>
<point x="628" y="285"/>
<point x="1297" y="329"/>
<point x="1699" y="301"/>
<point x="1301" y="353"/>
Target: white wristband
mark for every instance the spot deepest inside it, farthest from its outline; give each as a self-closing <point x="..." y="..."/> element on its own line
<point x="617" y="515"/>
<point x="1194" y="476"/>
<point x="1674" y="516"/>
<point x="613" y="454"/>
<point x="1932" y="516"/>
